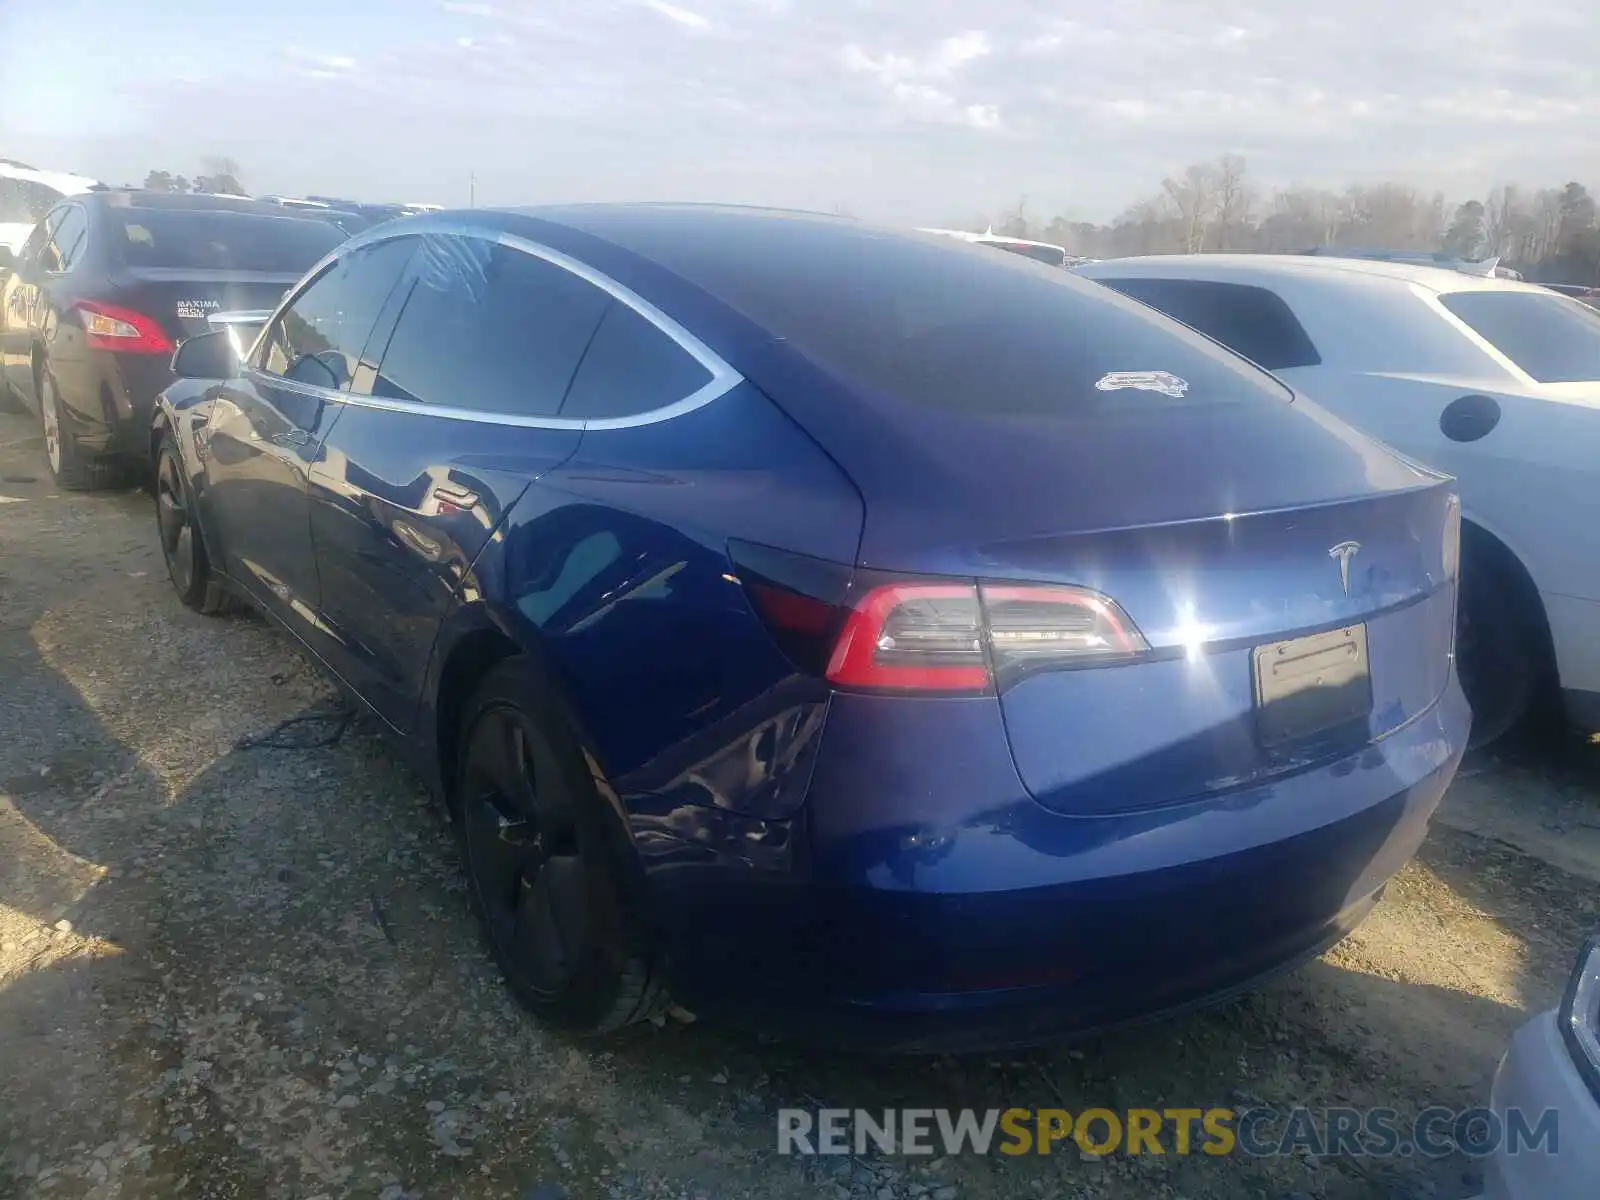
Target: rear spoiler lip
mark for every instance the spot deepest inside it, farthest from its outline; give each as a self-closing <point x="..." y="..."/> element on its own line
<point x="250" y="316"/>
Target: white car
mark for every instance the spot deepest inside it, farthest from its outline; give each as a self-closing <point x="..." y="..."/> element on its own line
<point x="1490" y="380"/>
<point x="27" y="194"/>
<point x="1552" y="1066"/>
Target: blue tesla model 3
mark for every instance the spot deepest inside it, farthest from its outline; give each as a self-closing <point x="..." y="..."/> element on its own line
<point x="835" y="629"/>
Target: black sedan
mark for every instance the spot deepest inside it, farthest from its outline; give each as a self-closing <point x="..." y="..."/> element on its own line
<point x="107" y="285"/>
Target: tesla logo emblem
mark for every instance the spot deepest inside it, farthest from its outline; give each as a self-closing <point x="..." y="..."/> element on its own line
<point x="1344" y="552"/>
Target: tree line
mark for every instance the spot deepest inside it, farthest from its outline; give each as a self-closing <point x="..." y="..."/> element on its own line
<point x="1549" y="234"/>
<point x="220" y="177"/>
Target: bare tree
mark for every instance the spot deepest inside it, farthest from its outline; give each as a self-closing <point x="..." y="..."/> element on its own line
<point x="1545" y="234"/>
<point x="222" y="176"/>
<point x="1234" y="201"/>
<point x="1429" y="229"/>
<point x="1335" y="214"/>
<point x="1151" y="226"/>
<point x="1015" y="222"/>
<point x="1195" y="197"/>
<point x="1500" y="216"/>
<point x="1391" y="215"/>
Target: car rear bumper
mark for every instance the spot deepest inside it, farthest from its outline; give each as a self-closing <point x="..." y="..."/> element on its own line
<point x="1574" y="623"/>
<point x="107" y="399"/>
<point x="935" y="907"/>
<point x="1537" y="1074"/>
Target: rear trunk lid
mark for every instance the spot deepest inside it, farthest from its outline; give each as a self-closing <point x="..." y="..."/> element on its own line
<point x="1226" y="604"/>
<point x="180" y="300"/>
<point x="1220" y="531"/>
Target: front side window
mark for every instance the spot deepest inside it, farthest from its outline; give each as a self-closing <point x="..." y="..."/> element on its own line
<point x="1552" y="338"/>
<point x="489" y="328"/>
<point x="24" y="201"/>
<point x="1251" y="321"/>
<point x="318" y="339"/>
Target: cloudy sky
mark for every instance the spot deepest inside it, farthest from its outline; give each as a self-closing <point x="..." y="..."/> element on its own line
<point x="915" y="110"/>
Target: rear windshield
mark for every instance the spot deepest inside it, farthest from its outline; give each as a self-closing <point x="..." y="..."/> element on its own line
<point x="952" y="327"/>
<point x="1552" y="338"/>
<point x="222" y="241"/>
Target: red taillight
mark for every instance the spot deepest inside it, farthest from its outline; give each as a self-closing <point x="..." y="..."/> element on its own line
<point x="913" y="637"/>
<point x="975" y="637"/>
<point x="108" y="327"/>
<point x="875" y="631"/>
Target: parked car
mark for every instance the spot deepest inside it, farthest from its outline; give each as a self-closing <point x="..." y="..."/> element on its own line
<point x="343" y="216"/>
<point x="1487" y="267"/>
<point x="1589" y="296"/>
<point x="293" y="202"/>
<point x="1046" y="252"/>
<point x="371" y="213"/>
<point x="1552" y="1064"/>
<point x="106" y="285"/>
<point x="26" y="194"/>
<point x="1492" y="381"/>
<point x="831" y="627"/>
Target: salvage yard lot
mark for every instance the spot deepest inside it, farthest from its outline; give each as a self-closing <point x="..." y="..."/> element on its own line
<point x="249" y="970"/>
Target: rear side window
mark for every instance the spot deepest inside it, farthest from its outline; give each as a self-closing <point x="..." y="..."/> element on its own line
<point x="945" y="327"/>
<point x="632" y="367"/>
<point x="490" y="329"/>
<point x="33" y="249"/>
<point x="198" y="240"/>
<point x="68" y="237"/>
<point x="319" y="338"/>
<point x="1552" y="338"/>
<point x="1251" y="321"/>
<point x="23" y="201"/>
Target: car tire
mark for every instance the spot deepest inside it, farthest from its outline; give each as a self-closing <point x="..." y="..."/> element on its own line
<point x="543" y="866"/>
<point x="1502" y="652"/>
<point x="71" y="467"/>
<point x="182" y="546"/>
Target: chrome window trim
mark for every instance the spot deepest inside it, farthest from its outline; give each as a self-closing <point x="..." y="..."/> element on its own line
<point x="723" y="377"/>
<point x="283" y="383"/>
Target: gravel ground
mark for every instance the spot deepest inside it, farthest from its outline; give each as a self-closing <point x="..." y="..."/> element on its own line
<point x="232" y="971"/>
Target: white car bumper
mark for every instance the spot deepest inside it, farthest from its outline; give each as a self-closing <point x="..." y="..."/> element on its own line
<point x="1536" y="1074"/>
<point x="1575" y="635"/>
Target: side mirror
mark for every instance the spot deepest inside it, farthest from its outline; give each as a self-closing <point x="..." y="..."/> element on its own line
<point x="206" y="356"/>
<point x="8" y="260"/>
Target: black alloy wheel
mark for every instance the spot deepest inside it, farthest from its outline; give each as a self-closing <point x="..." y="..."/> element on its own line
<point x="527" y="870"/>
<point x="542" y="872"/>
<point x="181" y="545"/>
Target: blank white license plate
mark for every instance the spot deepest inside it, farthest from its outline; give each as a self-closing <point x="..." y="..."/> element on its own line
<point x="1310" y="685"/>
